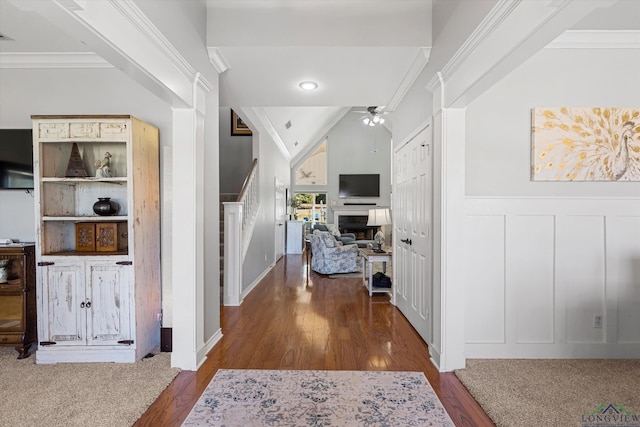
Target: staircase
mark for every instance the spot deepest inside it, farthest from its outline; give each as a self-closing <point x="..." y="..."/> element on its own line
<point x="239" y="221"/>
<point x="224" y="197"/>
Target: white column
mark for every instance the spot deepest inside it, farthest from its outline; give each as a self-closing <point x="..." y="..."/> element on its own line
<point x="233" y="212"/>
<point x="452" y="141"/>
<point x="188" y="232"/>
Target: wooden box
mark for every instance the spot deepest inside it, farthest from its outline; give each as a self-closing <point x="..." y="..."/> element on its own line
<point x="101" y="236"/>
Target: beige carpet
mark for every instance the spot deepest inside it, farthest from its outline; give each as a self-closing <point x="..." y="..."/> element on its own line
<point x="79" y="394"/>
<point x="555" y="392"/>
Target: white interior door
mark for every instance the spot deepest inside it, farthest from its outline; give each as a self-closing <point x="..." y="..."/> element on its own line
<point x="280" y="218"/>
<point x="412" y="255"/>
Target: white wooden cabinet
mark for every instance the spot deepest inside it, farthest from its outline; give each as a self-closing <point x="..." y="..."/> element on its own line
<point x="97" y="306"/>
<point x="86" y="303"/>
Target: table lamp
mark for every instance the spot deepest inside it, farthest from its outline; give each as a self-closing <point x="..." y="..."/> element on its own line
<point x="377" y="218"/>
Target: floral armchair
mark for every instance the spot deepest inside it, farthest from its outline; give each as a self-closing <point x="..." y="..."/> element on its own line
<point x="331" y="256"/>
<point x="345" y="238"/>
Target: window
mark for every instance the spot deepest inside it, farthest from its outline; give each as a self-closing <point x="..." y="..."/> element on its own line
<point x="313" y="171"/>
<point x="311" y="207"/>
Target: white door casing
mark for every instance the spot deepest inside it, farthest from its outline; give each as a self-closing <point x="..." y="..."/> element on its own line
<point x="280" y="218"/>
<point x="412" y="218"/>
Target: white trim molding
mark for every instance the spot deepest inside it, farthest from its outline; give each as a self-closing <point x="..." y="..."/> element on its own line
<point x="259" y="115"/>
<point x="414" y="70"/>
<point x="145" y="27"/>
<point x="218" y="60"/>
<point x="575" y="39"/>
<point x="52" y="60"/>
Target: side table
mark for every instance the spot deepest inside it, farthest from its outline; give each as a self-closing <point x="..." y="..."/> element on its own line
<point x="368" y="258"/>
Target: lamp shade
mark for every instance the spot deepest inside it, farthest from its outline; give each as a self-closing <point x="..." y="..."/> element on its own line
<point x="379" y="216"/>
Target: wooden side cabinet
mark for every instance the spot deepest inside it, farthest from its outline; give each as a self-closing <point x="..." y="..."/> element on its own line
<point x="18" y="297"/>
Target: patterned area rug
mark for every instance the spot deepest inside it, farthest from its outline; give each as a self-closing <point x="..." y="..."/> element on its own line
<point x="318" y="398"/>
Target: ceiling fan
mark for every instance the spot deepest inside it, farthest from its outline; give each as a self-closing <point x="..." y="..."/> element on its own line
<point x="306" y="174"/>
<point x="372" y="116"/>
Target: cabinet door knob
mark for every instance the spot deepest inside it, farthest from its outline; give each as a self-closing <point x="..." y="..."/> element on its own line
<point x="88" y="304"/>
<point x="82" y="304"/>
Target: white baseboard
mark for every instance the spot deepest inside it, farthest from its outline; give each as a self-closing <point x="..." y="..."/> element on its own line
<point x="255" y="283"/>
<point x="206" y="348"/>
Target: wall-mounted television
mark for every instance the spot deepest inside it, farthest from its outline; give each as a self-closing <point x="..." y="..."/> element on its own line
<point x="16" y="159"/>
<point x="359" y="185"/>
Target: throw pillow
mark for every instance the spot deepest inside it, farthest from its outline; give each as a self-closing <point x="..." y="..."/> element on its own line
<point x="333" y="229"/>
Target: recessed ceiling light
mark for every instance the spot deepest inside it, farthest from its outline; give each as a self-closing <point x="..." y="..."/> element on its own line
<point x="309" y="85"/>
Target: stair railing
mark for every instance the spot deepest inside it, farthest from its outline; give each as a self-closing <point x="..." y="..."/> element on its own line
<point x="239" y="221"/>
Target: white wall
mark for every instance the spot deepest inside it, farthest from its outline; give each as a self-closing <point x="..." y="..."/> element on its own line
<point x="350" y="150"/>
<point x="261" y="253"/>
<point x="80" y="91"/>
<point x="543" y="258"/>
<point x="235" y="155"/>
<point x="499" y="146"/>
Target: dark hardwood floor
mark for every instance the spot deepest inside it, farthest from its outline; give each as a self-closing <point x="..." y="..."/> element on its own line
<point x="291" y="321"/>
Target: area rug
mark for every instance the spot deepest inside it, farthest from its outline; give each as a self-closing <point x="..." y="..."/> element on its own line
<point x="318" y="398"/>
<point x="79" y="394"/>
<point x="517" y="392"/>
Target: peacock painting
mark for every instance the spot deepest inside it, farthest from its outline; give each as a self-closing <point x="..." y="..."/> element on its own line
<point x="585" y="144"/>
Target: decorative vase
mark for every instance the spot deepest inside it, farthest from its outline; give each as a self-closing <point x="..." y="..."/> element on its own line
<point x="4" y="274"/>
<point x="105" y="206"/>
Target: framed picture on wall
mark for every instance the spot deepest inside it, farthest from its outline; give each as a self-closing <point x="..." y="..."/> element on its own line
<point x="238" y="127"/>
<point x="585" y="144"/>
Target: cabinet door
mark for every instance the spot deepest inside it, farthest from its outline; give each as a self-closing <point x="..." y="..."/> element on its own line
<point x="108" y="303"/>
<point x="63" y="307"/>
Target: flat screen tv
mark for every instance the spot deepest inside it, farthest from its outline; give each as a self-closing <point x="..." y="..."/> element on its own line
<point x="16" y="159"/>
<point x="359" y="185"/>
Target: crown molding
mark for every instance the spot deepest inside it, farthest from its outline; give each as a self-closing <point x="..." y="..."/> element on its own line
<point x="145" y="27"/>
<point x="71" y="5"/>
<point x="217" y="59"/>
<point x="487" y="27"/>
<point x="578" y="39"/>
<point x="52" y="60"/>
<point x="261" y="116"/>
<point x="420" y="61"/>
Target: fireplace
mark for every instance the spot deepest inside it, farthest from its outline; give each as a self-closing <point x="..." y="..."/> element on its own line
<point x="356" y="224"/>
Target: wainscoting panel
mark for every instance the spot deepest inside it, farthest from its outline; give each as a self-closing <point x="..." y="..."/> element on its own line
<point x="485" y="287"/>
<point x="529" y="277"/>
<point x="580" y="275"/>
<point x="622" y="320"/>
<point x="540" y="269"/>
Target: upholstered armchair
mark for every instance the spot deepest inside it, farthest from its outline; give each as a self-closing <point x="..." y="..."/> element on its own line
<point x="345" y="238"/>
<point x="331" y="256"/>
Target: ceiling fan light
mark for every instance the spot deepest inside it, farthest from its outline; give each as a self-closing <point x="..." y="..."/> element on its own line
<point x="381" y="120"/>
<point x="371" y="123"/>
<point x="366" y="120"/>
<point x="376" y="119"/>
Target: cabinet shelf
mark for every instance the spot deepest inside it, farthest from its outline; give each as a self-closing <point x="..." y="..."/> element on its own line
<point x="113" y="218"/>
<point x="114" y="180"/>
<point x="91" y="254"/>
